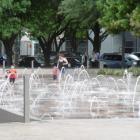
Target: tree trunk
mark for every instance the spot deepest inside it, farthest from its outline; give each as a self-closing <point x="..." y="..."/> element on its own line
<point x="8" y="45"/>
<point x="97" y="39"/>
<point x="58" y="45"/>
<point x="48" y="52"/>
<point x="46" y="48"/>
<point x="73" y="42"/>
<point x="71" y="36"/>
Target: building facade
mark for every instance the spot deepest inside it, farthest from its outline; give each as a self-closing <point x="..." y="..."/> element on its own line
<point x="113" y="44"/>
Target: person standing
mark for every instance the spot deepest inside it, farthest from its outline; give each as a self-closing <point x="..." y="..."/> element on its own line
<point x="62" y="62"/>
<point x="12" y="73"/>
<point x="54" y="72"/>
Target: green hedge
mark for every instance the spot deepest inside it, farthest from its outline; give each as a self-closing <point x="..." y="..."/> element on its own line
<point x="134" y="70"/>
<point x="107" y="71"/>
<point x="119" y="72"/>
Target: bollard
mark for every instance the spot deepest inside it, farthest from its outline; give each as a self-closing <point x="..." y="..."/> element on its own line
<point x="26" y="99"/>
<point x="88" y="64"/>
<point x="32" y="65"/>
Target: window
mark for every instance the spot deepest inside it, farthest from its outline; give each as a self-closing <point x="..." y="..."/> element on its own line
<point x="129" y="46"/>
<point x="113" y="57"/>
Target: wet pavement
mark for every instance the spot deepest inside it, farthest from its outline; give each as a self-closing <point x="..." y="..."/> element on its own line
<point x="102" y="97"/>
<point x="71" y="129"/>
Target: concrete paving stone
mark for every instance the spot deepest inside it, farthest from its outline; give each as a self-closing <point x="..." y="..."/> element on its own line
<point x="96" y="129"/>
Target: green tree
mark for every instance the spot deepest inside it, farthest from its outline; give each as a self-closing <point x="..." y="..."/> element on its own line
<point x="120" y="15"/>
<point x="83" y="14"/>
<point x="44" y="22"/>
<point x="135" y="20"/>
<point x="11" y="22"/>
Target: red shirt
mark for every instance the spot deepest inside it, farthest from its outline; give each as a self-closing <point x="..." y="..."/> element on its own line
<point x="54" y="70"/>
<point x="12" y="73"/>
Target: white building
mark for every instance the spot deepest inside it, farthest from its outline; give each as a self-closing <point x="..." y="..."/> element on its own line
<point x="29" y="47"/>
<point x="113" y="44"/>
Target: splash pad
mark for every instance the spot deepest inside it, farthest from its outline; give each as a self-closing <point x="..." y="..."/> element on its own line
<point x="76" y="95"/>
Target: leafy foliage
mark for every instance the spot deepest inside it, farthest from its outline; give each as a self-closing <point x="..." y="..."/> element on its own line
<point x="42" y="18"/>
<point x="82" y="12"/>
<point x="119" y="15"/>
<point x="11" y="12"/>
<point x="83" y="15"/>
<point x="135" y="20"/>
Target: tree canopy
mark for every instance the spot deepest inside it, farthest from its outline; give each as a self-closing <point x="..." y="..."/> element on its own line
<point x="83" y="14"/>
<point x="11" y="21"/>
<point x="135" y="20"/>
<point x="120" y="15"/>
<point x="44" y="22"/>
<point x="42" y="18"/>
<point x="11" y="12"/>
<point x="47" y="19"/>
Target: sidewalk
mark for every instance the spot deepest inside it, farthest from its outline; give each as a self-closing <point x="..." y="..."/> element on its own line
<point x="96" y="129"/>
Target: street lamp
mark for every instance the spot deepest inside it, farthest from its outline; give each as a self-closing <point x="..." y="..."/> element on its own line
<point x="87" y="53"/>
<point x="123" y="49"/>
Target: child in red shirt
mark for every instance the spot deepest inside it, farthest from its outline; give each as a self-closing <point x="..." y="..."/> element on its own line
<point x="12" y="74"/>
<point x="54" y="72"/>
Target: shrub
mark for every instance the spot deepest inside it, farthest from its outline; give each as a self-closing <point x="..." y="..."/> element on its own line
<point x="135" y="71"/>
<point x="119" y="72"/>
<point x="107" y="71"/>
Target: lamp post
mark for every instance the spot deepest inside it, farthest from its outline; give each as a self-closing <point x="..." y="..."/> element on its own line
<point x="87" y="53"/>
<point x="26" y="99"/>
<point x="136" y="48"/>
<point x="3" y="66"/>
<point x="123" y="49"/>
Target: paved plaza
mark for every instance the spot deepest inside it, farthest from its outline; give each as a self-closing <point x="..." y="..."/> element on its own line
<point x="95" y="129"/>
